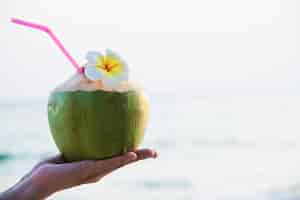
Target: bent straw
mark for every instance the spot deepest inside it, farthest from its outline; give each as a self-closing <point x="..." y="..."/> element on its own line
<point x="53" y="37"/>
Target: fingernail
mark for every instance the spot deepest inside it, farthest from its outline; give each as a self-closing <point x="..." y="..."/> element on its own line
<point x="131" y="156"/>
<point x="155" y="155"/>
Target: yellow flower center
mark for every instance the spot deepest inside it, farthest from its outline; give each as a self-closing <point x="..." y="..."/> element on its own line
<point x="110" y="64"/>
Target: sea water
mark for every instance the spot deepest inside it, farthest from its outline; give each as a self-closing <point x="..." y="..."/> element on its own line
<point x="210" y="147"/>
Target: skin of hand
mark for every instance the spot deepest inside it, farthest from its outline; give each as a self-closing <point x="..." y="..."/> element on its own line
<point x="54" y="174"/>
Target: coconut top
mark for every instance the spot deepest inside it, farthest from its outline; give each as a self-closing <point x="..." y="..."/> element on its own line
<point x="79" y="82"/>
<point x="103" y="71"/>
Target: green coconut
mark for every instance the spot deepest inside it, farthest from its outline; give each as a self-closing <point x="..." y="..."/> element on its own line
<point x="87" y="123"/>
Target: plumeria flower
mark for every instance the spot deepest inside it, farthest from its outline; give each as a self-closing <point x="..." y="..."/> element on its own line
<point x="108" y="68"/>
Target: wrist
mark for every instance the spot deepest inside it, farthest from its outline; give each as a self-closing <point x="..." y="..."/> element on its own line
<point x="17" y="192"/>
<point x="35" y="188"/>
<point x="27" y="189"/>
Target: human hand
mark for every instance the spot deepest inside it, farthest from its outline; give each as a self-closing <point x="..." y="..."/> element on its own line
<point x="54" y="174"/>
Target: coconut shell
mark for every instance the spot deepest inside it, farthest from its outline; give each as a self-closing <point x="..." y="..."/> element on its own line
<point x="89" y="125"/>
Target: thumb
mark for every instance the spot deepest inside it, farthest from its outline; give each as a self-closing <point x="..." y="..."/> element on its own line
<point x="73" y="174"/>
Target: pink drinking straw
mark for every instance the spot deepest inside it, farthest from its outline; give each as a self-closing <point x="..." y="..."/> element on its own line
<point x="53" y="37"/>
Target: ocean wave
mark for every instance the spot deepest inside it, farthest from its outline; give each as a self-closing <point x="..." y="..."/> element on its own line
<point x="167" y="184"/>
<point x="5" y="157"/>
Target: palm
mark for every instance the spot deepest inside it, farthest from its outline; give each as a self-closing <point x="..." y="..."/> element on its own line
<point x="54" y="174"/>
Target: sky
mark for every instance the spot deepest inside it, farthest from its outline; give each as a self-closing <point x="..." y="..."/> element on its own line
<point x="216" y="45"/>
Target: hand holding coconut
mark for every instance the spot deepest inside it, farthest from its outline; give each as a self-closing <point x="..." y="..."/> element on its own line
<point x="54" y="174"/>
<point x="97" y="120"/>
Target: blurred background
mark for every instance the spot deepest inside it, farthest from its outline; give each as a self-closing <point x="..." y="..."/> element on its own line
<point x="222" y="77"/>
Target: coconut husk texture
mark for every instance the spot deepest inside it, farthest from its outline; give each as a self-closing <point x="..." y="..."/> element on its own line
<point x="89" y="125"/>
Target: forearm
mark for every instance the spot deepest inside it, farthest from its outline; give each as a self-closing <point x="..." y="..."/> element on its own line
<point x="24" y="190"/>
<point x="9" y="194"/>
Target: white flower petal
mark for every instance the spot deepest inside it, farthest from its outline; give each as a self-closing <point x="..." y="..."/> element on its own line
<point x="125" y="69"/>
<point x="109" y="52"/>
<point x="114" y="82"/>
<point x="92" y="56"/>
<point x="125" y="72"/>
<point x="92" y="73"/>
<point x="122" y="76"/>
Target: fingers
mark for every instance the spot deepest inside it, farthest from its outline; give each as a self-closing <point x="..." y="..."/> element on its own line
<point x="76" y="173"/>
<point x="146" y="153"/>
<point x="105" y="167"/>
<point x="112" y="164"/>
<point x="117" y="162"/>
<point x="93" y="180"/>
